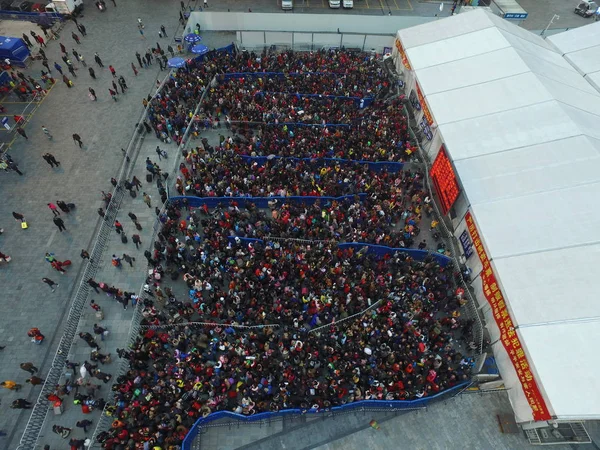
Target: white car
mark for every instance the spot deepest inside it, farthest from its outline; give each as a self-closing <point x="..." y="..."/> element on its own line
<point x="348" y="4"/>
<point x="287" y="4"/>
<point x="334" y="3"/>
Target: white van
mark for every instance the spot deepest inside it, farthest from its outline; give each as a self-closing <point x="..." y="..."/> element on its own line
<point x="334" y="3"/>
<point x="348" y="4"/>
<point x="287" y="4"/>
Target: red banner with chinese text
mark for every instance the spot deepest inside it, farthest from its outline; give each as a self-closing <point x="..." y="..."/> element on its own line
<point x="424" y="107"/>
<point x="403" y="54"/>
<point x="508" y="335"/>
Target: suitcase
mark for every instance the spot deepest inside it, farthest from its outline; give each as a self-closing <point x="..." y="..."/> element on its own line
<point x="67" y="262"/>
<point x="123" y="238"/>
<point x="99" y="315"/>
<point x="71" y="205"/>
<point x="149" y="177"/>
<point x="24" y="225"/>
<point x="132" y="193"/>
<point x="138" y="226"/>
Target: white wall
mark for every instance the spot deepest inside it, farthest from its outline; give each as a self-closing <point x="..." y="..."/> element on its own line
<point x="223" y="21"/>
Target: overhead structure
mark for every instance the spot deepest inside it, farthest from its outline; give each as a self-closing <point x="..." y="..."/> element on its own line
<point x="511" y="128"/>
<point x="581" y="47"/>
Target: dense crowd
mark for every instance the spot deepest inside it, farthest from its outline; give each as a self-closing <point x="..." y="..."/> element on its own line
<point x="229" y="175"/>
<point x="276" y="314"/>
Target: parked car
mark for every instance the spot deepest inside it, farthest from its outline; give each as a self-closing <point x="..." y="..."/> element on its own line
<point x="348" y="4"/>
<point x="20" y="5"/>
<point x="287" y="4"/>
<point x="334" y="4"/>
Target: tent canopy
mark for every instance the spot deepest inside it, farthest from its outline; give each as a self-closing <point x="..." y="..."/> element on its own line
<point x="520" y="123"/>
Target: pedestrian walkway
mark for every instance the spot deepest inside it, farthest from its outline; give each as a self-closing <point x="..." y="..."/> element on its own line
<point x="105" y="127"/>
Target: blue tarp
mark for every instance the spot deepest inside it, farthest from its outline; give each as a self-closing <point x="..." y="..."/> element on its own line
<point x="379" y="404"/>
<point x="13" y="48"/>
<point x="374" y="166"/>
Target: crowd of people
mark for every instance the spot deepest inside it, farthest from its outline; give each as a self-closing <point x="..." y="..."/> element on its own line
<point x="276" y="314"/>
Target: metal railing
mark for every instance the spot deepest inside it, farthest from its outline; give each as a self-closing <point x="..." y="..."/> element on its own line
<point x="360" y="406"/>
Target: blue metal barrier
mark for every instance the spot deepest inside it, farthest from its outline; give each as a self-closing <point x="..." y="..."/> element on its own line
<point x="261" y="202"/>
<point x="379" y="404"/>
<point x="374" y="166"/>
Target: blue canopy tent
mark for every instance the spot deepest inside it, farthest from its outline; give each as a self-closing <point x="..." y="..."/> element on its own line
<point x="192" y="38"/>
<point x="199" y="49"/>
<point x="14" y="49"/>
<point x="176" y="62"/>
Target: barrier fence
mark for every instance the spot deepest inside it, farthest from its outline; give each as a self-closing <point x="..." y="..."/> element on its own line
<point x="374" y="166"/>
<point x="260" y="202"/>
<point x="364" y="405"/>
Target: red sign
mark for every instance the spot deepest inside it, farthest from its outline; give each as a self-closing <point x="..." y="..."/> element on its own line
<point x="508" y="335"/>
<point x="402" y="54"/>
<point x="444" y="180"/>
<point x="424" y="107"/>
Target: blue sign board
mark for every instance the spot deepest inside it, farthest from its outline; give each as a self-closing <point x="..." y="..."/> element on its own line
<point x="465" y="242"/>
<point x="515" y="15"/>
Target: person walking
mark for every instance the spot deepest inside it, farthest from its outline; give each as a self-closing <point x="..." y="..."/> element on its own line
<point x="73" y="366"/>
<point x="45" y="64"/>
<point x="60" y="224"/>
<point x="101" y="212"/>
<point x="21" y="131"/>
<point x="98" y="60"/>
<point x="136" y="182"/>
<point x="135" y="72"/>
<point x="122" y="83"/>
<point x="128" y="259"/>
<point x="147" y="200"/>
<point x="28" y="367"/>
<point x="35" y="381"/>
<point x="77" y="139"/>
<point x="113" y="94"/>
<point x="58" y="68"/>
<point x="62" y="47"/>
<point x="163" y="30"/>
<point x="136" y="240"/>
<point x="81" y="60"/>
<point x="116" y="261"/>
<point x="27" y="41"/>
<point x="75" y="37"/>
<point x="13" y="166"/>
<point x="118" y="227"/>
<point x="82" y="29"/>
<point x="94" y="284"/>
<point x="18" y="216"/>
<point x="71" y="70"/>
<point x="54" y="209"/>
<point x="68" y="82"/>
<point x="21" y="403"/>
<point x="11" y="385"/>
<point x="83" y="424"/>
<point x="95" y="306"/>
<point x="50" y="283"/>
<point x="84" y="254"/>
<point x="112" y="71"/>
<point x="92" y="73"/>
<point x="41" y="41"/>
<point x="89" y="339"/>
<point x="206" y="3"/>
<point x="63" y="206"/>
<point x="133" y="217"/>
<point x="46" y="132"/>
<point x="92" y="94"/>
<point x="139" y="58"/>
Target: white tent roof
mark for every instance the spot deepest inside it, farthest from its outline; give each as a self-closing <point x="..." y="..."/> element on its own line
<point x="521" y="125"/>
<point x="581" y="47"/>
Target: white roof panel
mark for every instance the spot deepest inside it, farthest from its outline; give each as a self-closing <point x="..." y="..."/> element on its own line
<point x="490" y="66"/>
<point x="443" y="29"/>
<point x="576" y="38"/>
<point x="543" y="122"/>
<point x="559" y="352"/>
<point x="529" y="277"/>
<point x="508" y="94"/>
<point x="541" y="222"/>
<point x="529" y="170"/>
<point x="456" y="48"/>
<point x="587" y="60"/>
